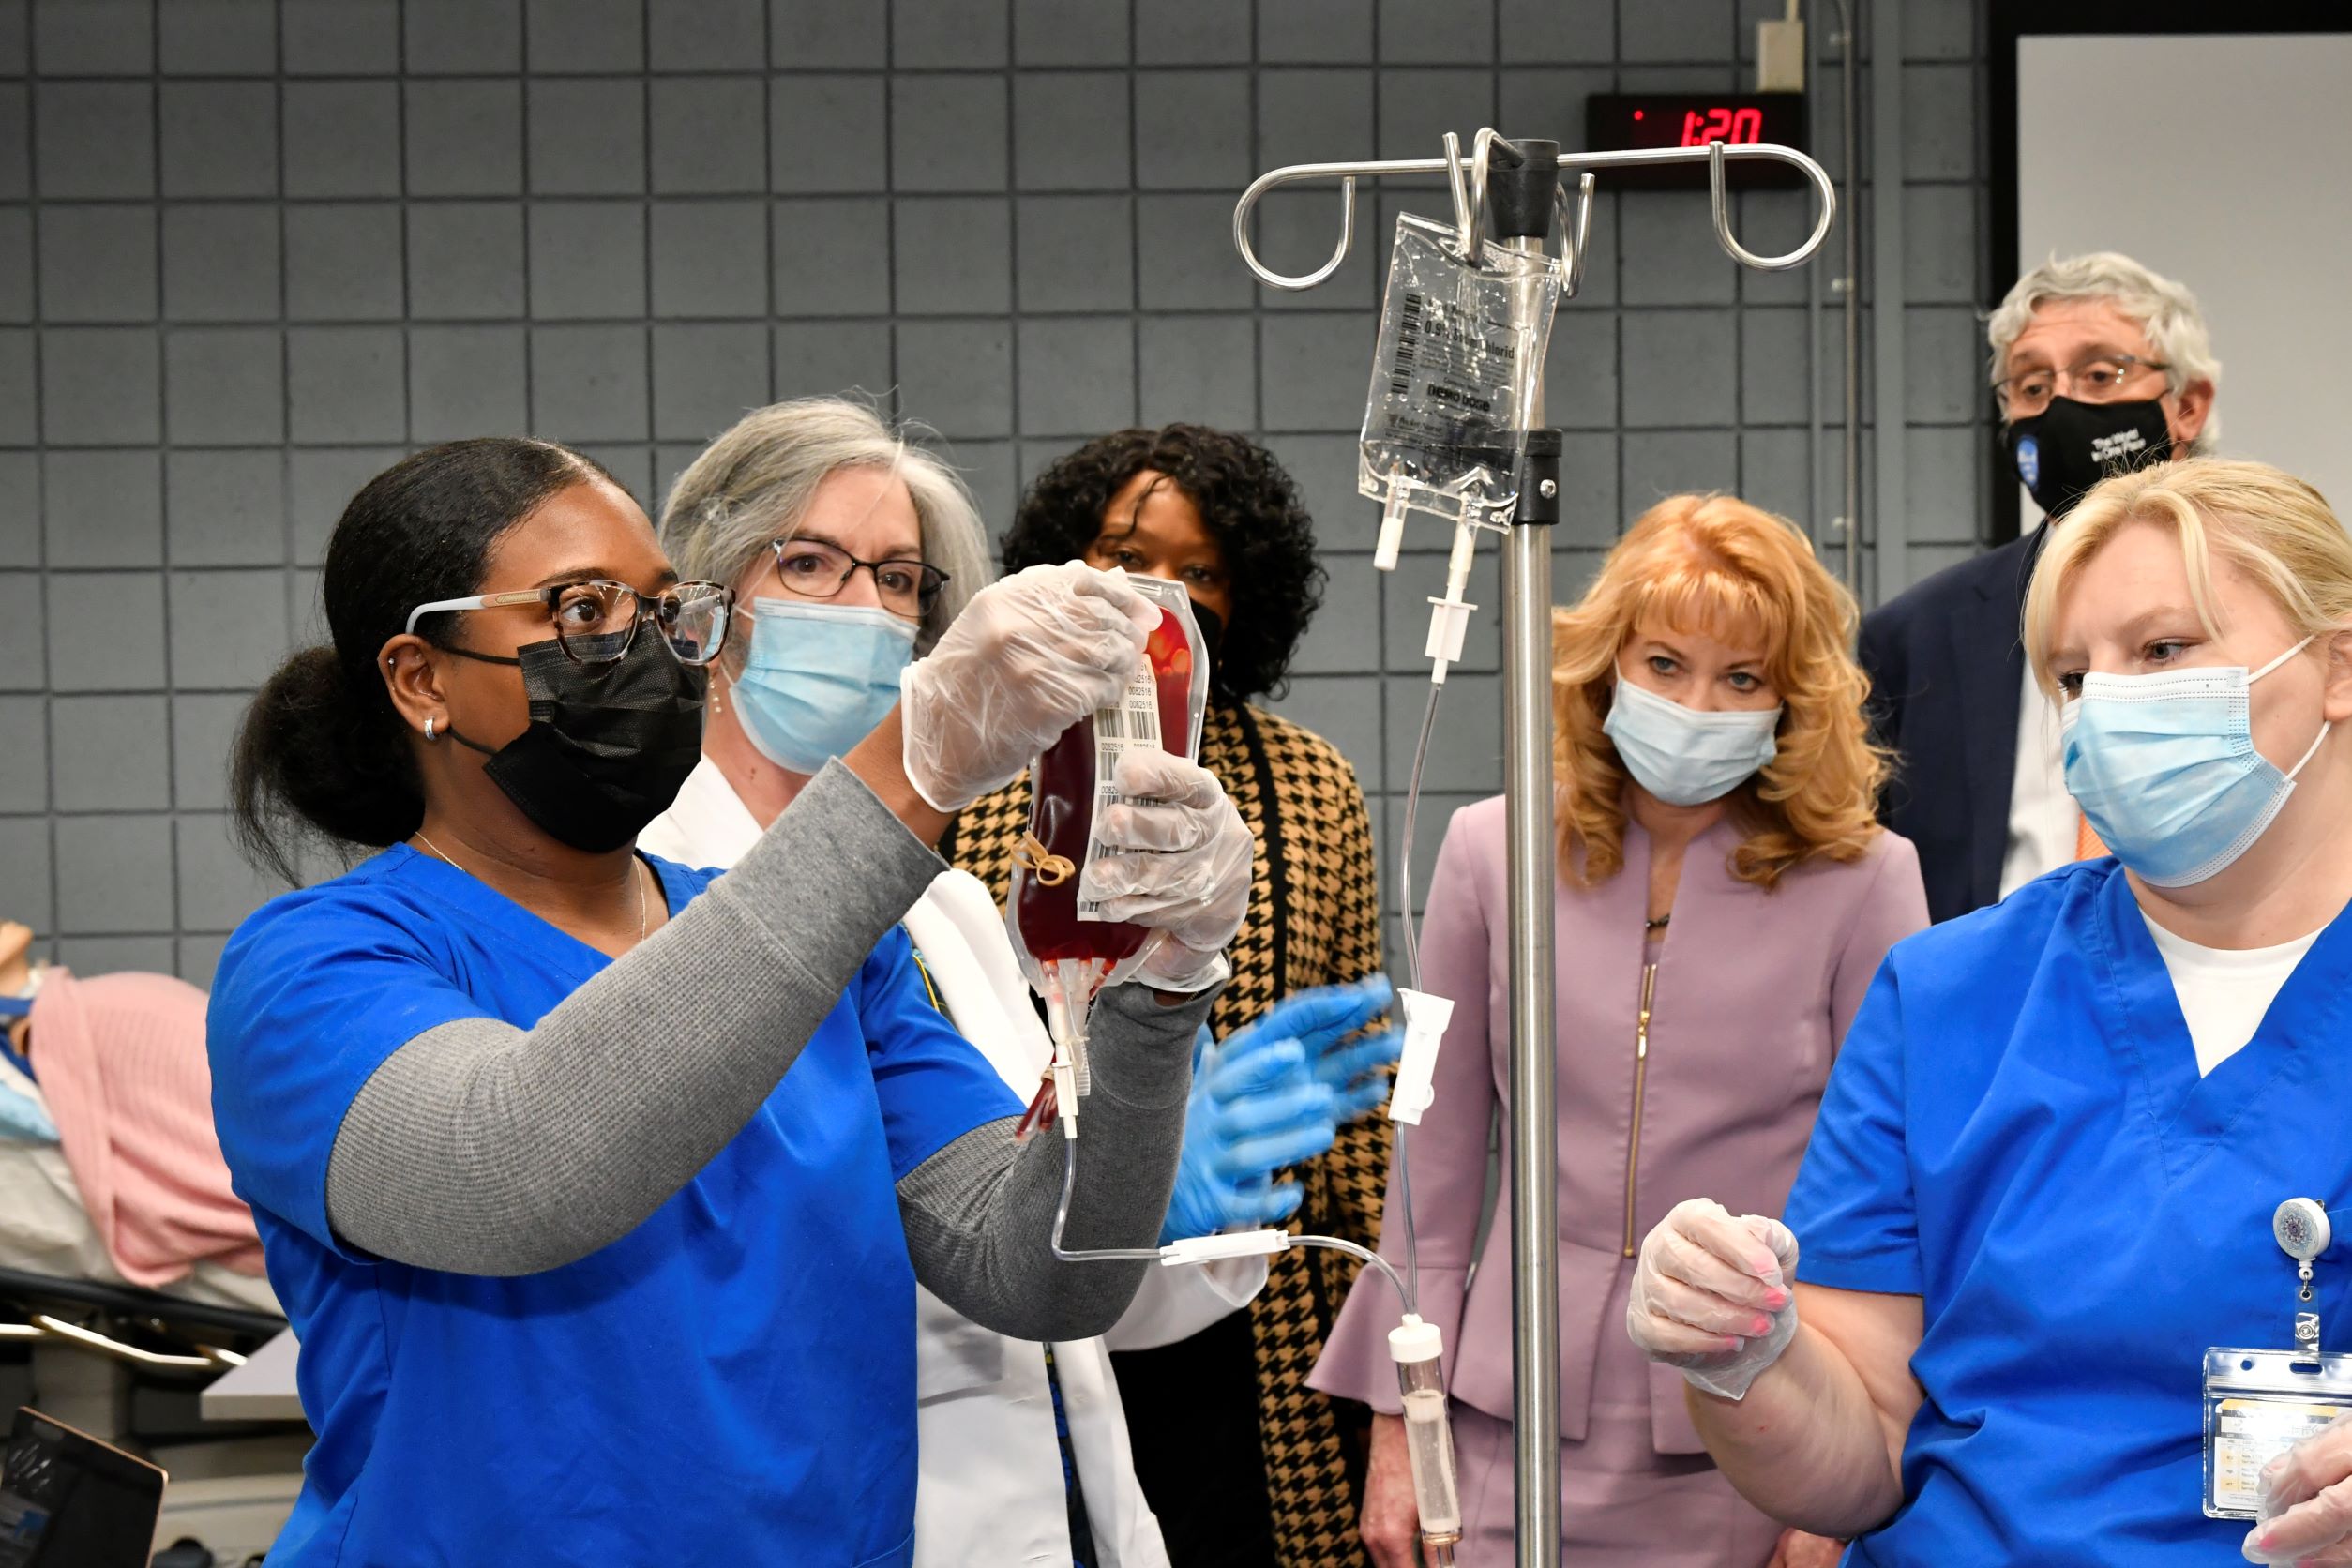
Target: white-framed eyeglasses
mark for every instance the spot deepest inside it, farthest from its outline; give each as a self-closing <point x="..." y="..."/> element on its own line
<point x="595" y="621"/>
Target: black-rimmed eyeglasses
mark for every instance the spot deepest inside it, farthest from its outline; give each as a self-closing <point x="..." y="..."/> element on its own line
<point x="814" y="569"/>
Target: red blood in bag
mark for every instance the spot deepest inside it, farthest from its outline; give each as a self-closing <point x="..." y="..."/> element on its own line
<point x="1061" y="815"/>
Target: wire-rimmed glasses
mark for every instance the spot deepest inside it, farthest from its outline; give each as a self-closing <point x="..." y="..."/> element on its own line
<point x="2098" y="378"/>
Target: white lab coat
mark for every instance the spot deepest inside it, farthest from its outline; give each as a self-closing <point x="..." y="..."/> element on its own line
<point x="990" y="1488"/>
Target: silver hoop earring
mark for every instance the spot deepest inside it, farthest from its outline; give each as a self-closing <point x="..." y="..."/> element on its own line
<point x="429" y="729"/>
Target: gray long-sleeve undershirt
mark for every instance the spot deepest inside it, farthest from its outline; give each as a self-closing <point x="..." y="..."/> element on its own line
<point x="482" y="1148"/>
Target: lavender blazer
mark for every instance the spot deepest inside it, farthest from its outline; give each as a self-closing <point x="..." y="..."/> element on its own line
<point x="1753" y="992"/>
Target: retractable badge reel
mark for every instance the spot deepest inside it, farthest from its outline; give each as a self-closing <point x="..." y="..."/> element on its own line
<point x="2258" y="1404"/>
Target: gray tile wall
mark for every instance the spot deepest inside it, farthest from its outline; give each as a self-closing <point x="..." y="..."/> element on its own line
<point x="252" y="249"/>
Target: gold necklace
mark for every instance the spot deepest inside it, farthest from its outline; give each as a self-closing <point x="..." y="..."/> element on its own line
<point x="636" y="867"/>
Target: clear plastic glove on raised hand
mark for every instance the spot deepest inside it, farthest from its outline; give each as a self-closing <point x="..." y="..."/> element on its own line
<point x="1713" y="1295"/>
<point x="1273" y="1094"/>
<point x="1183" y="867"/>
<point x="1029" y="657"/>
<point x="2306" y="1513"/>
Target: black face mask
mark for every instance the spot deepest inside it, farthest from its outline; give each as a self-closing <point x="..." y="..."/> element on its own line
<point x="2064" y="451"/>
<point x="1211" y="634"/>
<point x="609" y="744"/>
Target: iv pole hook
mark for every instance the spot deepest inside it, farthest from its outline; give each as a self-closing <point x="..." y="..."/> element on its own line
<point x="1470" y="203"/>
<point x="1721" y="203"/>
<point x="1573" y="234"/>
<point x="1307" y="280"/>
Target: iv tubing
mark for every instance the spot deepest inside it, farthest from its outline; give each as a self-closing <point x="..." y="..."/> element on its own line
<point x="1363" y="1254"/>
<point x="1153" y="1255"/>
<point x="1062" y="1217"/>
<point x="1412" y="972"/>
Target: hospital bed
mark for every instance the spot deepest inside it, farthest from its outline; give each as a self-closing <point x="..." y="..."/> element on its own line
<point x="129" y="1366"/>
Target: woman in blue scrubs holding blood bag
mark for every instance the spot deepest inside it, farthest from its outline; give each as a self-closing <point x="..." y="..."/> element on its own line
<point x="2043" y="1182"/>
<point x="597" y="1187"/>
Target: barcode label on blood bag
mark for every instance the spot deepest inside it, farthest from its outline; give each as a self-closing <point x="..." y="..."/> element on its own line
<point x="1134" y="722"/>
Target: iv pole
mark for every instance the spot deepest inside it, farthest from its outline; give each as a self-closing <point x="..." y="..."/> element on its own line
<point x="1523" y="178"/>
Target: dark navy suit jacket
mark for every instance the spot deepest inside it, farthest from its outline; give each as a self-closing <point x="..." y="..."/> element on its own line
<point x="1947" y="668"/>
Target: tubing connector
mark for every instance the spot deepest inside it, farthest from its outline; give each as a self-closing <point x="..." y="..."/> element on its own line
<point x="1449" y="617"/>
<point x="1392" y="526"/>
<point x="1208" y="1249"/>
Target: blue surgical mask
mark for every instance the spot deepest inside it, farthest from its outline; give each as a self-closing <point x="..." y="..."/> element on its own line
<point x="1682" y="756"/>
<point x="2165" y="769"/>
<point x="22" y="1118"/>
<point x="819" y="678"/>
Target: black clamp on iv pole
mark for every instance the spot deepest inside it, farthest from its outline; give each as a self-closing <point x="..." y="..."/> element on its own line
<point x="1522" y="191"/>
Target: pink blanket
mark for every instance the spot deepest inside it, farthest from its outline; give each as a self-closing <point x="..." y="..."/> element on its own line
<point x="120" y="1059"/>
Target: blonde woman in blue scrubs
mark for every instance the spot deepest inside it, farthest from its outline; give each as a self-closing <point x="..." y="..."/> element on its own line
<point x="2043" y="1176"/>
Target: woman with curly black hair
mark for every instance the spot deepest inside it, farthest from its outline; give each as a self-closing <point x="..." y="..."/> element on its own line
<point x="1212" y="511"/>
<point x="1226" y="1414"/>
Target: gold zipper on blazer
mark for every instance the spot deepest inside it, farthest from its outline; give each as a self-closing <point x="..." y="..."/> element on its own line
<point x="1641" y="1082"/>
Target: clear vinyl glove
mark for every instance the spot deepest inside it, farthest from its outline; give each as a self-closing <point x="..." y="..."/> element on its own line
<point x="1029" y="657"/>
<point x="1184" y="867"/>
<point x="2306" y="1513"/>
<point x="1712" y="1295"/>
<point x="1270" y="1094"/>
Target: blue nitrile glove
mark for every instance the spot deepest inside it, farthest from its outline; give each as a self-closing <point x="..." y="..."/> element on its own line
<point x="1268" y="1096"/>
<point x="1327" y="1015"/>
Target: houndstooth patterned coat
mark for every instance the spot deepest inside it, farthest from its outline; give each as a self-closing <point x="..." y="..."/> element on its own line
<point x="1314" y="920"/>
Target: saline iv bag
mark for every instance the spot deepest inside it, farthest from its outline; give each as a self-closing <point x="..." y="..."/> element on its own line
<point x="1453" y="379"/>
<point x="1068" y="950"/>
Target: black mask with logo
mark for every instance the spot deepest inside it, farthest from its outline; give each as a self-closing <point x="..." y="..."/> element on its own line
<point x="2064" y="451"/>
<point x="609" y="746"/>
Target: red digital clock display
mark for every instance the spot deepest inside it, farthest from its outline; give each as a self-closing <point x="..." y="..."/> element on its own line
<point x="1629" y="122"/>
<point x="1733" y="126"/>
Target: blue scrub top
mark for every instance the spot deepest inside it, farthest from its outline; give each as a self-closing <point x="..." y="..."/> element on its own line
<point x="730" y="1382"/>
<point x="2016" y="1132"/>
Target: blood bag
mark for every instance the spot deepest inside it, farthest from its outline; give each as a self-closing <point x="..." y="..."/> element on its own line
<point x="1453" y="379"/>
<point x="1068" y="950"/>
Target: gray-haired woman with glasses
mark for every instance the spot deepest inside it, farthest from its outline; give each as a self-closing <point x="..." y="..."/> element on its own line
<point x="597" y="1187"/>
<point x="849" y="549"/>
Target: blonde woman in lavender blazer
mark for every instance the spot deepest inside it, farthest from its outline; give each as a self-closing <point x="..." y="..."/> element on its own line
<point x="1725" y="895"/>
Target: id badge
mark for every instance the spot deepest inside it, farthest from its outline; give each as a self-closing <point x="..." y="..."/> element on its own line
<point x="2258" y="1404"/>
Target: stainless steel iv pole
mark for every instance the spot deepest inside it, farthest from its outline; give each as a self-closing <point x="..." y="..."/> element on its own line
<point x="1524" y="196"/>
<point x="1522" y="179"/>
